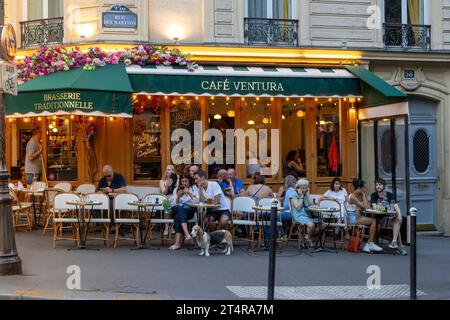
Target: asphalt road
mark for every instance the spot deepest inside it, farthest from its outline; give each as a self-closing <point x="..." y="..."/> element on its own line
<point x="125" y="274"/>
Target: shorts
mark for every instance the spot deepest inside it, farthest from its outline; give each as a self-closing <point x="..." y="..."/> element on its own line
<point x="218" y="214"/>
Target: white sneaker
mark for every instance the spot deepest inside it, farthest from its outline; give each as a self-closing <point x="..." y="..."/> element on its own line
<point x="366" y="248"/>
<point x="374" y="247"/>
<point x="393" y="245"/>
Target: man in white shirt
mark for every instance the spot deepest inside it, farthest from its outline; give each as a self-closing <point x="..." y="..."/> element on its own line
<point x="210" y="191"/>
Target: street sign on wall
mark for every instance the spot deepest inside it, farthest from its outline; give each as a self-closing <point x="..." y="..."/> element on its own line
<point x="120" y="17"/>
<point x="8" y="78"/>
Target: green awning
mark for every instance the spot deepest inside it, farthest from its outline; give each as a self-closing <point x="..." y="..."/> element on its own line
<point x="101" y="92"/>
<point x="245" y="81"/>
<point x="376" y="91"/>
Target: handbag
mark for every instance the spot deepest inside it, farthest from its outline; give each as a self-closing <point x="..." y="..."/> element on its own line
<point x="354" y="244"/>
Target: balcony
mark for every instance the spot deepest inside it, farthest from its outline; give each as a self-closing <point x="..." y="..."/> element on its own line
<point x="38" y="33"/>
<point x="271" y="32"/>
<point x="407" y="36"/>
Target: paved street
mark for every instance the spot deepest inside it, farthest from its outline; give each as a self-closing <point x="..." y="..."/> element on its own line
<point x="123" y="274"/>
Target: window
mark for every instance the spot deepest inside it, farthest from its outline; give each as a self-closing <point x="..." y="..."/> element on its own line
<point x="405" y="11"/>
<point x="147" y="157"/>
<point x="421" y="150"/>
<point x="221" y="116"/>
<point x="270" y="9"/>
<point x="293" y="138"/>
<point x="328" y="138"/>
<point x="62" y="151"/>
<point x="43" y="9"/>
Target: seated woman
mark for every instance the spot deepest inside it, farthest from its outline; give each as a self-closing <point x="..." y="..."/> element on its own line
<point x="287" y="193"/>
<point x="358" y="202"/>
<point x="167" y="185"/>
<point x="181" y="212"/>
<point x="337" y="193"/>
<point x="293" y="166"/>
<point x="258" y="190"/>
<point x="300" y="203"/>
<point x="395" y="221"/>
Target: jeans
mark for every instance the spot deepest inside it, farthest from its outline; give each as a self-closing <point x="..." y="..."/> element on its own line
<point x="182" y="214"/>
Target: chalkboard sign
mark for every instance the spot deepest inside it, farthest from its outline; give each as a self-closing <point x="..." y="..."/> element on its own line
<point x="183" y="116"/>
<point x="120" y="17"/>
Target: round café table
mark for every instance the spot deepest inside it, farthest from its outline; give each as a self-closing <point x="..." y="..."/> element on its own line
<point x="322" y="214"/>
<point x="378" y="215"/>
<point x="263" y="219"/>
<point x="82" y="213"/>
<point x="202" y="208"/>
<point x="145" y="219"/>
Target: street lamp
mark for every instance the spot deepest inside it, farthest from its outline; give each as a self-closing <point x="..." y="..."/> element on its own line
<point x="10" y="262"/>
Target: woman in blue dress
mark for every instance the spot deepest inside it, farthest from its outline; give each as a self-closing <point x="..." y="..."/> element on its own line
<point x="300" y="203"/>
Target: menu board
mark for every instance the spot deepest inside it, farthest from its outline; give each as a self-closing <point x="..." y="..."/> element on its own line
<point x="183" y="116"/>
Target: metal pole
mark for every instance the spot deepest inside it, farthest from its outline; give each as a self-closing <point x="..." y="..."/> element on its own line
<point x="10" y="262"/>
<point x="413" y="257"/>
<point x="272" y="252"/>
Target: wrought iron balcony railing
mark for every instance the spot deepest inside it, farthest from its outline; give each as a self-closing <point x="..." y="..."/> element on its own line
<point x="271" y="32"/>
<point x="37" y="33"/>
<point x="407" y="36"/>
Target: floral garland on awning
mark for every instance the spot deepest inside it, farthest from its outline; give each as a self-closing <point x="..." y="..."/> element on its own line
<point x="49" y="60"/>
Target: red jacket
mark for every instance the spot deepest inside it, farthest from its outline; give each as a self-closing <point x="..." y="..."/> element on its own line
<point x="333" y="157"/>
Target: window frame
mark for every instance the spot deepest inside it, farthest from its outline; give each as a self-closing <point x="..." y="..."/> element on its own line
<point x="45" y="11"/>
<point x="425" y="6"/>
<point x="292" y="15"/>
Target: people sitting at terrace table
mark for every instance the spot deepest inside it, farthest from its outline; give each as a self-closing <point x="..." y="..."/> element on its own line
<point x="225" y="184"/>
<point x="293" y="165"/>
<point x="111" y="182"/>
<point x="300" y="201"/>
<point x="169" y="182"/>
<point x="237" y="183"/>
<point x="258" y="189"/>
<point x="286" y="193"/>
<point x="394" y="221"/>
<point x="193" y="170"/>
<point x="337" y="193"/>
<point x="210" y="192"/>
<point x="181" y="212"/>
<point x="358" y="203"/>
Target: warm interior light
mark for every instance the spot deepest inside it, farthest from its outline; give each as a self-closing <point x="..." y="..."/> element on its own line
<point x="300" y="113"/>
<point x="217" y="117"/>
<point x="112" y="118"/>
<point x="66" y="122"/>
<point x="352" y="100"/>
<point x="228" y="98"/>
<point x="251" y="122"/>
<point x="302" y="99"/>
<point x="213" y="98"/>
<point x="359" y="99"/>
<point x="72" y="117"/>
<point x="196" y="98"/>
<point x="283" y="117"/>
<point x="243" y="99"/>
<point x="322" y="123"/>
<point x="10" y="119"/>
<point x="330" y="99"/>
<point x="149" y="97"/>
<point x="26" y="120"/>
<point x="55" y="130"/>
<point x="231" y="114"/>
<point x="266" y="120"/>
<point x="85" y="30"/>
<point x="55" y="117"/>
<point x="345" y="99"/>
<point x="257" y="99"/>
<point x="134" y="96"/>
<point x="316" y="99"/>
<point x="287" y="99"/>
<point x="174" y="102"/>
<point x="166" y="97"/>
<point x="91" y="118"/>
<point x="272" y="99"/>
<point x="39" y="119"/>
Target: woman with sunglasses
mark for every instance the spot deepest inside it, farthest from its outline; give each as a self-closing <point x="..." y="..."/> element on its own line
<point x="300" y="203"/>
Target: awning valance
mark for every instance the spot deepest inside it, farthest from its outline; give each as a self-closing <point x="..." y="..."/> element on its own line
<point x="101" y="92"/>
<point x="245" y="81"/>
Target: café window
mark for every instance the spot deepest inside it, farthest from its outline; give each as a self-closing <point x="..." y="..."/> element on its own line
<point x="328" y="138"/>
<point x="62" y="149"/>
<point x="147" y="159"/>
<point x="221" y="116"/>
<point x="185" y="112"/>
<point x="258" y="116"/>
<point x="293" y="137"/>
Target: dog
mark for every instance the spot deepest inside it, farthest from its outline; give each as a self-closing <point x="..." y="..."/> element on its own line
<point x="204" y="239"/>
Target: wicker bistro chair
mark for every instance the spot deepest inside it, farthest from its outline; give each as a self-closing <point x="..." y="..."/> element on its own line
<point x="49" y="200"/>
<point x="63" y="215"/>
<point x="244" y="205"/>
<point x="297" y="229"/>
<point x="126" y="215"/>
<point x="22" y="212"/>
<point x="336" y="223"/>
<point x="65" y="186"/>
<point x="103" y="218"/>
<point x="160" y="221"/>
<point x="86" y="189"/>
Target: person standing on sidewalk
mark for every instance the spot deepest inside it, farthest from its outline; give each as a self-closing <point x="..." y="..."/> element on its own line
<point x="33" y="159"/>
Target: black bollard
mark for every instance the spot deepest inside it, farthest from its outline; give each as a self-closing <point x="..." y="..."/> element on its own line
<point x="413" y="257"/>
<point x="272" y="250"/>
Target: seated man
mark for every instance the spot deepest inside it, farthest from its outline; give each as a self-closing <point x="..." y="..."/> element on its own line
<point x="211" y="191"/>
<point x="225" y="183"/>
<point x="112" y="182"/>
<point x="395" y="221"/>
<point x="237" y="183"/>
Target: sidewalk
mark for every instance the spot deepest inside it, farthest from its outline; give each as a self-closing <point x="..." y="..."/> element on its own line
<point x="120" y="274"/>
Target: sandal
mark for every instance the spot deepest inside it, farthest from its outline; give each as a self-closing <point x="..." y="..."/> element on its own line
<point x="174" y="248"/>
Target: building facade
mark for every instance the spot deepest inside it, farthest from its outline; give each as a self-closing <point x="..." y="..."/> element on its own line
<point x="404" y="42"/>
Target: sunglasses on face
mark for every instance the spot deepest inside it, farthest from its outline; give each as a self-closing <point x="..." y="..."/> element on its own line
<point x="107" y="177"/>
